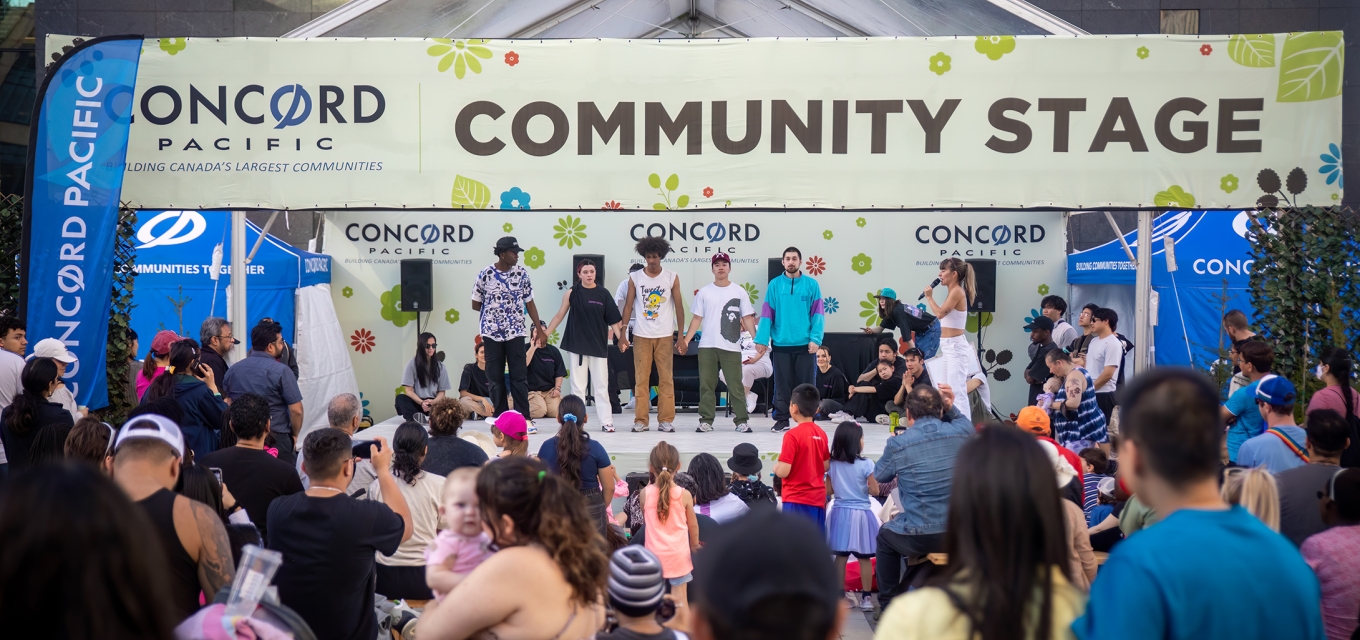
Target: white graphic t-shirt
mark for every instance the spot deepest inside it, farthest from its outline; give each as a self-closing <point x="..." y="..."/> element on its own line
<point x="653" y="309"/>
<point x="503" y="296"/>
<point x="722" y="309"/>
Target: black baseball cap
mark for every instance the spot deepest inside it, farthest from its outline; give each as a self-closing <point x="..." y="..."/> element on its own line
<point x="766" y="553"/>
<point x="508" y="243"/>
<point x="1040" y="323"/>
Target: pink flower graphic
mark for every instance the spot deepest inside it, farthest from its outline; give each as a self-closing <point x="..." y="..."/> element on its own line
<point x="708" y="192"/>
<point x="612" y="204"/>
<point x="512" y="58"/>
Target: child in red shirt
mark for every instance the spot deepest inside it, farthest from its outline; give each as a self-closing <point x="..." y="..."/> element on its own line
<point x="804" y="458"/>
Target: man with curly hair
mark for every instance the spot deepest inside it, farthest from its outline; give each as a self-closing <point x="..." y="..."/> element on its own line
<point x="660" y="312"/>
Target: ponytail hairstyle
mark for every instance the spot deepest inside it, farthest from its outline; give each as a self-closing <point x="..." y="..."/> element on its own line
<point x="546" y="510"/>
<point x="1256" y="491"/>
<point x="572" y="442"/>
<point x="967" y="279"/>
<point x="1339" y="364"/>
<point x="183" y="356"/>
<point x="664" y="463"/>
<point x="427" y="367"/>
<point x="36" y="377"/>
<point x="515" y="447"/>
<point x="409" y="444"/>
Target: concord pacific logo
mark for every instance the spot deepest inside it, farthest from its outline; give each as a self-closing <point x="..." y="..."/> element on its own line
<point x="174" y="234"/>
<point x="289" y="105"/>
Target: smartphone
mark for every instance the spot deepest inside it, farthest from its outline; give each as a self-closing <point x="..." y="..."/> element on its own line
<point x="361" y="448"/>
<point x="217" y="473"/>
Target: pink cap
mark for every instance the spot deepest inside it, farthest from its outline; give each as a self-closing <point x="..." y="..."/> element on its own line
<point x="512" y="424"/>
<point x="163" y="340"/>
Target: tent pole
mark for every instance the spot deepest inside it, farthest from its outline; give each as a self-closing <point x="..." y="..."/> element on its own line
<point x="238" y="284"/>
<point x="263" y="233"/>
<point x="1142" y="326"/>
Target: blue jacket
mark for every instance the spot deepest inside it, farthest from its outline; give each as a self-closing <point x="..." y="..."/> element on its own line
<point x="202" y="415"/>
<point x="792" y="314"/>
<point x="922" y="460"/>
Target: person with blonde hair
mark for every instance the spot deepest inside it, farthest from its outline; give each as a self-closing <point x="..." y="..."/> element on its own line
<point x="959" y="354"/>
<point x="1255" y="491"/>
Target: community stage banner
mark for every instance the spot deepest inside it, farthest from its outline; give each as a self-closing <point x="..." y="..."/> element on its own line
<point x="853" y="256"/>
<point x="927" y="123"/>
<point x="78" y="148"/>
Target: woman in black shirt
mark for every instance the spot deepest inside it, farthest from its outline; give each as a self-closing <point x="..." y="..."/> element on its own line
<point x="31" y="412"/>
<point x="474" y="390"/>
<point x="831" y="384"/>
<point x="594" y="317"/>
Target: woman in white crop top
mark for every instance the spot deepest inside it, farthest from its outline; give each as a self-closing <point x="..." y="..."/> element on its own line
<point x="959" y="355"/>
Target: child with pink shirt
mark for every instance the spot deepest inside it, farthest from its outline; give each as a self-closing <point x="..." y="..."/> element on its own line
<point x="457" y="550"/>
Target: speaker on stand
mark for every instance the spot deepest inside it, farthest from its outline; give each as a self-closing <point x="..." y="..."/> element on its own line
<point x="984" y="298"/>
<point x="417" y="287"/>
<point x="774" y="267"/>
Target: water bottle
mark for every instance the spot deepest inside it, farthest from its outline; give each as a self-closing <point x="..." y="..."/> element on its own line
<point x="257" y="568"/>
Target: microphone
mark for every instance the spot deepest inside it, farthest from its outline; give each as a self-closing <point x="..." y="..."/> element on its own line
<point x="933" y="283"/>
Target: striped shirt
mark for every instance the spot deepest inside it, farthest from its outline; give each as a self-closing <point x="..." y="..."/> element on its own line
<point x="1088" y="423"/>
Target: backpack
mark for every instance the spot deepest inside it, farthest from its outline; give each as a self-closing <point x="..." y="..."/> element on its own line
<point x="1127" y="347"/>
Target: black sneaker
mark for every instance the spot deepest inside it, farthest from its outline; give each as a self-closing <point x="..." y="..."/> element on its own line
<point x="780" y="426"/>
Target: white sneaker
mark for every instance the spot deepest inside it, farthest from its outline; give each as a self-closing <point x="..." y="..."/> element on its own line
<point x="670" y="428"/>
<point x="704" y="427"/>
<point x="638" y="427"/>
<point x="883" y="418"/>
<point x="841" y="416"/>
<point x="631" y="403"/>
<point x="743" y="428"/>
<point x="533" y="428"/>
<point x="866" y="602"/>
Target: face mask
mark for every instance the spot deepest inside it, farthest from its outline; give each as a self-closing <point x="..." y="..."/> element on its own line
<point x="1318" y="372"/>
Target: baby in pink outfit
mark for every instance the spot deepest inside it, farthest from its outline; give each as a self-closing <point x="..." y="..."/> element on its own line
<point x="457" y="550"/>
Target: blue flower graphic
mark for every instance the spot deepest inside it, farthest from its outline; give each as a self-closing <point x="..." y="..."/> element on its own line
<point x="831" y="305"/>
<point x="922" y="306"/>
<point x="1333" y="166"/>
<point x="365" y="404"/>
<point x="515" y="198"/>
<point x="1032" y="315"/>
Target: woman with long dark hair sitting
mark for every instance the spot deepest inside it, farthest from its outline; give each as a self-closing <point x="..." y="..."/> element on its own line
<point x="583" y="462"/>
<point x="402" y="574"/>
<point x="547" y="580"/>
<point x="424" y="380"/>
<point x="191" y="385"/>
<point x="1007" y="577"/>
<point x="31" y="411"/>
<point x="711" y="497"/>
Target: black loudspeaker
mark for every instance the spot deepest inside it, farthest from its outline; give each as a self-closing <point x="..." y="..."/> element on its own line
<point x="984" y="272"/>
<point x="417" y="285"/>
<point x="775" y="266"/>
<point x="599" y="268"/>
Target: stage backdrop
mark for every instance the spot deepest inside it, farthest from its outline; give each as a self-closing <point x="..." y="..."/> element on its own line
<point x="852" y="255"/>
<point x="924" y="123"/>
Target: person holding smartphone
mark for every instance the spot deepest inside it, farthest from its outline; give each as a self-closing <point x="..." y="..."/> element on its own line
<point x="192" y="385"/>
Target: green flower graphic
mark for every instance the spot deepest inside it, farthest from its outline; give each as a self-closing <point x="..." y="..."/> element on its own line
<point x="971" y="326"/>
<point x="827" y="234"/>
<point x="451" y="316"/>
<point x="868" y="308"/>
<point x="1336" y="196"/>
<point x="391" y="308"/>
<point x="507" y="227"/>
<point x="751" y="291"/>
<point x="1174" y="197"/>
<point x="672" y="183"/>
<point x="533" y="257"/>
<point x="860" y="222"/>
<point x="1043" y="289"/>
<point x="939" y="63"/>
<point x="994" y="46"/>
<point x="460" y="54"/>
<point x="1228" y="183"/>
<point x="554" y="338"/>
<point x="570" y="231"/>
<point x="1143" y="52"/>
<point x="174" y="45"/>
<point x="862" y="264"/>
<point x="348" y="292"/>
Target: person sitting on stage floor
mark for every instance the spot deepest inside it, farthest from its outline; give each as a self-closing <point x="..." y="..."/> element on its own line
<point x="547" y="369"/>
<point x="919" y="329"/>
<point x="831" y="384"/>
<point x="887" y="352"/>
<point x="424" y="380"/>
<point x="874" y="399"/>
<point x="474" y="389"/>
<point x="915" y="376"/>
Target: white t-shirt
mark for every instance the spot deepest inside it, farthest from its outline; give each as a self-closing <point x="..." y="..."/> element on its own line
<point x="722" y="309"/>
<point x="724" y="509"/>
<point x="653" y="308"/>
<point x="422" y="499"/>
<point x="1064" y="334"/>
<point x="621" y="296"/>
<point x="11" y="371"/>
<point x="63" y="397"/>
<point x="1104" y="352"/>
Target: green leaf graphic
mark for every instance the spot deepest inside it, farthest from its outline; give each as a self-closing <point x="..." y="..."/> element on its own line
<point x="1310" y="66"/>
<point x="673" y="182"/>
<point x="1252" y="50"/>
<point x="659" y="206"/>
<point x="1174" y="198"/>
<point x="469" y="193"/>
<point x="654" y="180"/>
<point x="682" y="202"/>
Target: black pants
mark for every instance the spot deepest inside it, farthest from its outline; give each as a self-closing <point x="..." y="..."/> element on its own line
<point x="1106" y="403"/>
<point x="498" y="355"/>
<point x="397" y="583"/>
<point x="283" y="441"/>
<point x="868" y="406"/>
<point x="619" y="362"/>
<point x="406" y="407"/>
<point x="791" y="368"/>
<point x="895" y="547"/>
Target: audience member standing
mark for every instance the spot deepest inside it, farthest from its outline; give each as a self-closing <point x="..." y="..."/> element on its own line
<point x="190" y="384"/>
<point x="474" y="388"/>
<point x="32" y="411"/>
<point x="1235" y="325"/>
<point x="723" y="310"/>
<point x="1185" y="577"/>
<point x="1334" y="554"/>
<point x="960" y="356"/>
<point x="832" y="386"/>
<point x="804" y="458"/>
<point x="1281" y="447"/>
<point x="156" y="359"/>
<point x="447" y="451"/>
<point x="1008" y="574"/>
<point x="255" y="477"/>
<point x="217" y="341"/>
<point x="919" y="329"/>
<point x="1335" y="370"/>
<point x="401" y="575"/>
<point x="657" y="309"/>
<point x="1253" y="489"/>
<point x="585" y="341"/>
<point x="55" y="350"/>
<point x="425" y="379"/>
<point x="791" y="320"/>
<point x="1038" y="373"/>
<point x="328" y="539"/>
<point x="146" y="464"/>
<point x="1077" y="419"/>
<point x="1086" y="321"/>
<point x="546" y="370"/>
<point x="583" y="462"/>
<point x="89" y="442"/>
<point x="921" y="460"/>
<point x="1055" y="309"/>
<point x="1244" y="421"/>
<point x="1104" y="358"/>
<point x="13" y="343"/>
<point x="1327" y="433"/>
<point x="851" y="528"/>
<point x="262" y="374"/>
<point x="1081" y="560"/>
<point x="502" y="294"/>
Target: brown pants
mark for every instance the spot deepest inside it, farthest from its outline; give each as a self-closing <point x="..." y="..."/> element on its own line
<point x="660" y="351"/>
<point x="542" y="406"/>
<point x="471" y="406"/>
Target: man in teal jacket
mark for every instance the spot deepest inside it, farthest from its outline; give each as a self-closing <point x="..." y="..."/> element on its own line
<point x="791" y="319"/>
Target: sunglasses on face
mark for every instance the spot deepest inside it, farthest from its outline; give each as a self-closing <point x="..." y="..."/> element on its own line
<point x="432" y="345"/>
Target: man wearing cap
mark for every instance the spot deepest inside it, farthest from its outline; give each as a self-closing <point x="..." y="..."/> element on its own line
<point x="215" y="336"/>
<point x="723" y="310"/>
<point x="501" y="294"/>
<point x="1035" y="420"/>
<point x="791" y="320"/>
<point x="767" y="575"/>
<point x="146" y="464"/>
<point x="56" y="350"/>
<point x="1037" y="373"/>
<point x="1283" y="445"/>
<point x="262" y="374"/>
<point x="921" y="327"/>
